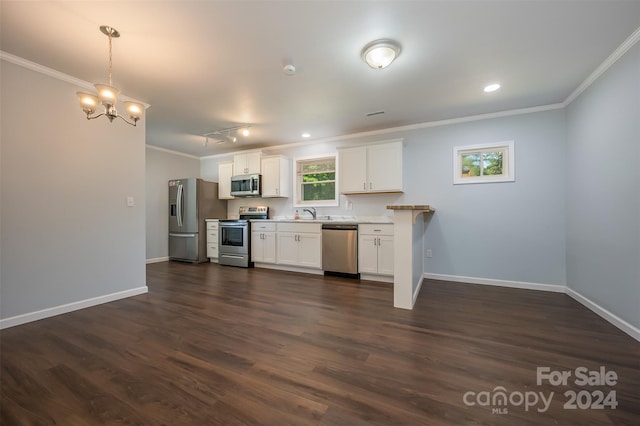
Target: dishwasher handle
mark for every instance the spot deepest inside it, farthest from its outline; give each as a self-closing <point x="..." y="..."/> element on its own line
<point x="340" y="226"/>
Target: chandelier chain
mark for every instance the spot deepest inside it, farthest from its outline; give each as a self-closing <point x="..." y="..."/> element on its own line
<point x="110" y="58"/>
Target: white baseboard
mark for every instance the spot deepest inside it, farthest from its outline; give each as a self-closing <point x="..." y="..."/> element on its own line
<point x="288" y="268"/>
<point x="597" y="309"/>
<point x="500" y="283"/>
<point x="417" y="291"/>
<point x="602" y="312"/>
<point x="377" y="278"/>
<point x="158" y="260"/>
<point x="70" y="307"/>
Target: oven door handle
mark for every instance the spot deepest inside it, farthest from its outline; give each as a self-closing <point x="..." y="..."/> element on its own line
<point x="231" y="256"/>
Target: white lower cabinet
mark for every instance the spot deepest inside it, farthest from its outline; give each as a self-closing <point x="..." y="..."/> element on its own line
<point x="212" y="240"/>
<point x="263" y="242"/>
<point x="375" y="249"/>
<point x="299" y="244"/>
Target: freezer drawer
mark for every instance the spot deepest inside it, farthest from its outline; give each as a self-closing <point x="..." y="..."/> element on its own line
<point x="184" y="247"/>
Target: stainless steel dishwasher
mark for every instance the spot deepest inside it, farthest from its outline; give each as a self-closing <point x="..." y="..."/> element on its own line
<point x="340" y="249"/>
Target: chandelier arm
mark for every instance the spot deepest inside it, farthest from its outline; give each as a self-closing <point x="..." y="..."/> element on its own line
<point x="128" y="122"/>
<point x="91" y="117"/>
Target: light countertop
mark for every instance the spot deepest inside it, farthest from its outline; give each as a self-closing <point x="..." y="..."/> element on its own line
<point x="331" y="219"/>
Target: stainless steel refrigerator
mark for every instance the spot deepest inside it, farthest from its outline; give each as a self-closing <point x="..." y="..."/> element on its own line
<point x="191" y="201"/>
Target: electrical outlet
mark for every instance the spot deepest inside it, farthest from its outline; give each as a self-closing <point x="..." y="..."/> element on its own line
<point x="348" y="205"/>
<point x="429" y="253"/>
<point x="130" y="202"/>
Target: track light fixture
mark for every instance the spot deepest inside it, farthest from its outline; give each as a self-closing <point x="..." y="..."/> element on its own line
<point x="107" y="94"/>
<point x="228" y="135"/>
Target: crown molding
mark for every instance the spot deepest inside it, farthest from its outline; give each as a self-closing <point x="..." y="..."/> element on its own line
<point x="170" y="151"/>
<point x="50" y="72"/>
<point x="604" y="66"/>
<point x="406" y="128"/>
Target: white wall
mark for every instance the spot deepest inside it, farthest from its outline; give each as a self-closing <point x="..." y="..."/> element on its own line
<point x="505" y="231"/>
<point x="68" y="237"/>
<point x="161" y="166"/>
<point x="603" y="191"/>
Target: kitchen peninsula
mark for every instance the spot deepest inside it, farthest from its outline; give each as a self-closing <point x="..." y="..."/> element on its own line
<point x="408" y="249"/>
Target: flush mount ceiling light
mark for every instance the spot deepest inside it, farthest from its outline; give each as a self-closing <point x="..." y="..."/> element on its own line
<point x="107" y="94"/>
<point x="227" y="135"/>
<point x="491" y="87"/>
<point x="380" y="53"/>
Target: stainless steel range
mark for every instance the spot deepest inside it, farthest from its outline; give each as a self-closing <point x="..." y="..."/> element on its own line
<point x="234" y="237"/>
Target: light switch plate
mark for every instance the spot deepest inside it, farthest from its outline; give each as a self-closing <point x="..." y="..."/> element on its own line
<point x="130" y="202"/>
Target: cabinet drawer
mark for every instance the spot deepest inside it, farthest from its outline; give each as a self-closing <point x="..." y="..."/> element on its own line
<point x="300" y="227"/>
<point x="212" y="225"/>
<point x="263" y="226"/>
<point x="375" y="229"/>
<point x="212" y="237"/>
<point x="212" y="250"/>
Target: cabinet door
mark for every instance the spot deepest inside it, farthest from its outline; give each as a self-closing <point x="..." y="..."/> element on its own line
<point x="275" y="177"/>
<point x="240" y="164"/>
<point x="287" y="248"/>
<point x="269" y="247"/>
<point x="310" y="250"/>
<point x="225" y="171"/>
<point x="384" y="167"/>
<point x="244" y="164"/>
<point x="253" y="162"/>
<point x="257" y="247"/>
<point x="368" y="254"/>
<point x="353" y="170"/>
<point x="385" y="255"/>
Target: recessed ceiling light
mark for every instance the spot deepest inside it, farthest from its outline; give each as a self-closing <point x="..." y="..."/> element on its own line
<point x="491" y="88"/>
<point x="245" y="132"/>
<point x="306" y="135"/>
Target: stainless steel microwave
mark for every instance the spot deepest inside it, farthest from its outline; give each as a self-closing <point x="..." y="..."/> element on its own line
<point x="246" y="185"/>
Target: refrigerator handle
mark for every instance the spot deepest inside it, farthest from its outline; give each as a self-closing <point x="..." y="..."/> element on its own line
<point x="179" y="205"/>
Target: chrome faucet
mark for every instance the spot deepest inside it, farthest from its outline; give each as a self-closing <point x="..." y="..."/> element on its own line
<point x="311" y="210"/>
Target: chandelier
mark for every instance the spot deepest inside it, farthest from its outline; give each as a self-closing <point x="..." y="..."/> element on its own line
<point x="107" y="94"/>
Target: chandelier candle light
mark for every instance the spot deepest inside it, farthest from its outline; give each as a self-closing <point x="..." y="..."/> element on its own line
<point x="107" y="94"/>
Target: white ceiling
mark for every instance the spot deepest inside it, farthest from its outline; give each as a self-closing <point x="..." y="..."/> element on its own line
<point x="208" y="65"/>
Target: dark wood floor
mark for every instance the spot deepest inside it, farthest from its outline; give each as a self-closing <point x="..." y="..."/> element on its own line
<point x="220" y="345"/>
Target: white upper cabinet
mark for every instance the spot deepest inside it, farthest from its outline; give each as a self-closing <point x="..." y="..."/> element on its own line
<point x="244" y="164"/>
<point x="353" y="169"/>
<point x="225" y="171"/>
<point x="275" y="177"/>
<point x="370" y="169"/>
